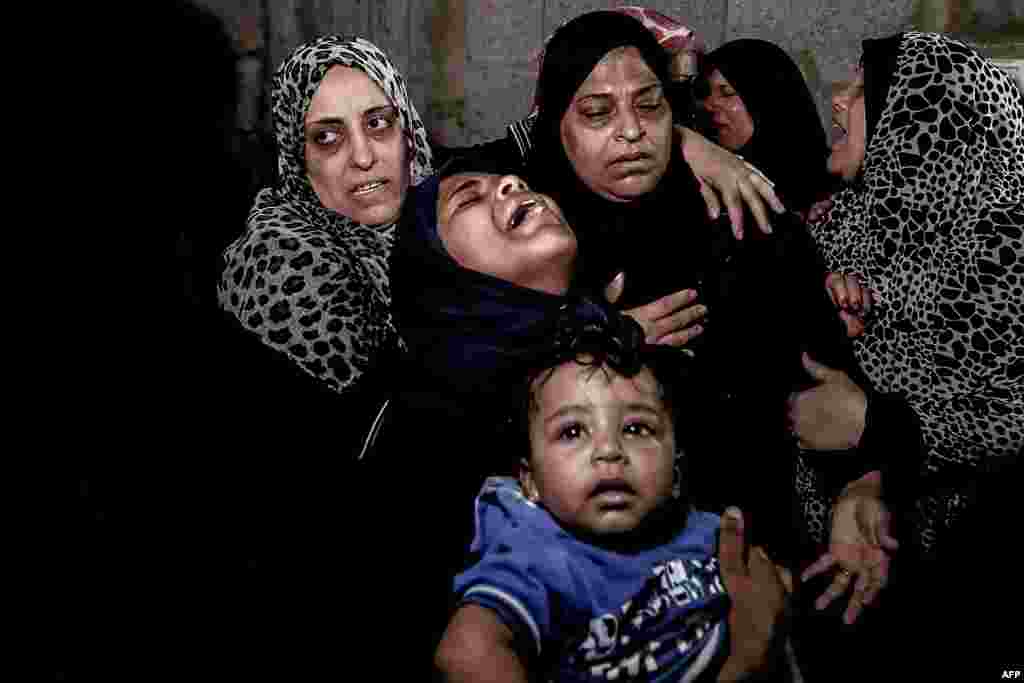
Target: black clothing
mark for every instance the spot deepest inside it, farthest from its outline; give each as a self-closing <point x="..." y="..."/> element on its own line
<point x="789" y="144"/>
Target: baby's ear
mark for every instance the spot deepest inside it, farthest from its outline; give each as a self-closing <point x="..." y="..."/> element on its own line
<point x="526" y="481"/>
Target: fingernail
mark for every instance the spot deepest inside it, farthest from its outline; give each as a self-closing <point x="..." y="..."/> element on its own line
<point x="715" y="213"/>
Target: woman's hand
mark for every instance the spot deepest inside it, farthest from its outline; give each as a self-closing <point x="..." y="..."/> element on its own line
<point x="673" y="319"/>
<point x="759" y="595"/>
<point x="738" y="182"/>
<point x="831" y="415"/>
<point x="859" y="545"/>
<point x="818" y="210"/>
<point x="853" y="300"/>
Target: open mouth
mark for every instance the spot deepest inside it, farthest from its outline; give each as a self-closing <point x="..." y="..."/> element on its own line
<point x="838" y="132"/>
<point x="613" y="489"/>
<point x="522" y="211"/>
<point x="367" y="188"/>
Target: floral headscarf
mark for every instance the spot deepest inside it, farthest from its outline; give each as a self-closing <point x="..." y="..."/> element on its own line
<point x="935" y="226"/>
<point x="310" y="281"/>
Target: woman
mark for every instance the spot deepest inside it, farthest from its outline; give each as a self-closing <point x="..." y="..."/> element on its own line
<point x="685" y="52"/>
<point x="927" y="114"/>
<point x="931" y="142"/>
<point x="602" y="149"/>
<point x="454" y="329"/>
<point x="310" y="273"/>
<point x="758" y="106"/>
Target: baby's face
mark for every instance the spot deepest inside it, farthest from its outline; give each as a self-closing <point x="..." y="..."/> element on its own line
<point x="495" y="225"/>
<point x="602" y="449"/>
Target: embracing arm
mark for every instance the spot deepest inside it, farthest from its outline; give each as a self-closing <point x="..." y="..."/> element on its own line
<point x="478" y="646"/>
<point x="738" y="182"/>
<point x="717" y="169"/>
<point x="839" y="409"/>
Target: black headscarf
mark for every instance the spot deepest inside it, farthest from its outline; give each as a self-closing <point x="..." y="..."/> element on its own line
<point x="879" y="64"/>
<point x="466" y="332"/>
<point x="789" y="143"/>
<point x="613" y="236"/>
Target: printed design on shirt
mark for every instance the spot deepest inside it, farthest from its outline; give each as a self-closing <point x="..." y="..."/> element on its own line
<point x="658" y="633"/>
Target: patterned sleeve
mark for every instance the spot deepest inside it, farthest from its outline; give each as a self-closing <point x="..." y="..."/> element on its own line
<point x="319" y="300"/>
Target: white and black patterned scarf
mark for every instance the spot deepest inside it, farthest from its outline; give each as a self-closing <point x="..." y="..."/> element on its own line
<point x="935" y="226"/>
<point x="311" y="282"/>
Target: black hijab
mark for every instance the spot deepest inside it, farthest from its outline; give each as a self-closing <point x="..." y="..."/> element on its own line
<point x="879" y="64"/>
<point x="789" y="143"/>
<point x="613" y="236"/>
<point x="466" y="332"/>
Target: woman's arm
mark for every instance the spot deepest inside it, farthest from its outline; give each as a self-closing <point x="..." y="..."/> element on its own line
<point x="717" y="169"/>
<point x="738" y="182"/>
<point x="478" y="646"/>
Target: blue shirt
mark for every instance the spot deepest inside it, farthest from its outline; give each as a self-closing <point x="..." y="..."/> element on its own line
<point x="595" y="614"/>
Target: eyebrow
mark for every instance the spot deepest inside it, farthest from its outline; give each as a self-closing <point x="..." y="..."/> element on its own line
<point x="333" y="120"/>
<point x="636" y="93"/>
<point x="580" y="409"/>
<point x="570" y="409"/>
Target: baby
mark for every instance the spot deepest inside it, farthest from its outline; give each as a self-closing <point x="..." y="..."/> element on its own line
<point x="593" y="566"/>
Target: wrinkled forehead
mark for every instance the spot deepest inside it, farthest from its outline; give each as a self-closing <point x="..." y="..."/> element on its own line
<point x="345" y="88"/>
<point x="629" y="60"/>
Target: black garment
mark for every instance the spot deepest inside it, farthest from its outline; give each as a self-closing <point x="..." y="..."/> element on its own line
<point x="766" y="304"/>
<point x="879" y="62"/>
<point x="789" y="144"/>
<point x="766" y="299"/>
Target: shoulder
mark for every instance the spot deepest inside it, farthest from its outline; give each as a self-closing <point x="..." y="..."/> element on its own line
<point x="519" y="536"/>
<point x="309" y="293"/>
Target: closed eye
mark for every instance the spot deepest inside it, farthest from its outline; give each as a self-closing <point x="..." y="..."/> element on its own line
<point x="467" y="199"/>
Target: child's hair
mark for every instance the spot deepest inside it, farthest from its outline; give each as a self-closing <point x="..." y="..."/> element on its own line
<point x="608" y="341"/>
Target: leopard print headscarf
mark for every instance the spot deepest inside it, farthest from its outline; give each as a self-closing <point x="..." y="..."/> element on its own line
<point x="935" y="226"/>
<point x="312" y="283"/>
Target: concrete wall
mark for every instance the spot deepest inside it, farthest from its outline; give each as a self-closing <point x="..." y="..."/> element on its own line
<point x="471" y="63"/>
